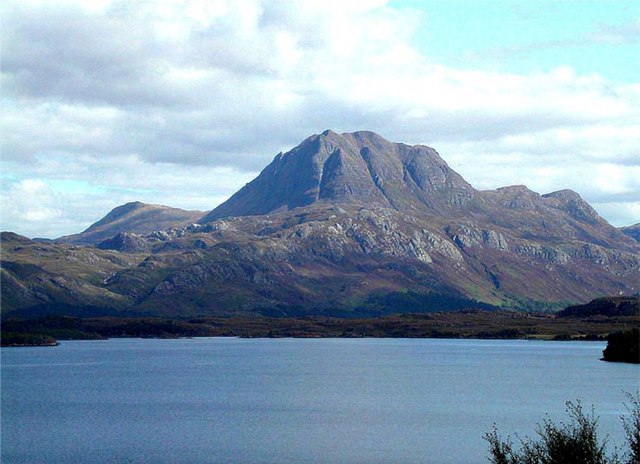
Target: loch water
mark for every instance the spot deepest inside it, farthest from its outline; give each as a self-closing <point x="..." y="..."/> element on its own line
<point x="231" y="400"/>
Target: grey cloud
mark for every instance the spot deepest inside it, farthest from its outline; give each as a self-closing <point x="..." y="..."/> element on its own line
<point x="221" y="118"/>
<point x="66" y="54"/>
<point x="86" y="93"/>
<point x="63" y="53"/>
<point x="119" y="58"/>
<point x="68" y="57"/>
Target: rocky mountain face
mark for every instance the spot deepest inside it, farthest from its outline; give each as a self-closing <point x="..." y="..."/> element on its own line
<point x="342" y="224"/>
<point x="359" y="168"/>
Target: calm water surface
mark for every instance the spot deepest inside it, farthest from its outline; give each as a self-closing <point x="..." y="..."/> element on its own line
<point x="226" y="400"/>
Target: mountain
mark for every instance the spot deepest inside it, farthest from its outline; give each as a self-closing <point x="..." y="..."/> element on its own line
<point x="134" y="217"/>
<point x="359" y="168"/>
<point x="362" y="169"/>
<point x="343" y="224"/>
<point x="632" y="231"/>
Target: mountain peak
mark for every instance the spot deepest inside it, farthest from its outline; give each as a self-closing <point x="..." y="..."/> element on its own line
<point x="351" y="168"/>
<point x="569" y="201"/>
<point x="118" y="212"/>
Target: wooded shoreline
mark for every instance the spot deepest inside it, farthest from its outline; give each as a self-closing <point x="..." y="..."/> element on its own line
<point x="462" y="324"/>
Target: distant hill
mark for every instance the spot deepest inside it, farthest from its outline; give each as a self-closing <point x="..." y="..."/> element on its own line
<point x="341" y="224"/>
<point x="135" y="217"/>
<point x="49" y="277"/>
<point x="607" y="306"/>
<point x="632" y="231"/>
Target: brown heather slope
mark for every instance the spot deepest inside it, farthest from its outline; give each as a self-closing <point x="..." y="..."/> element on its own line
<point x="40" y="275"/>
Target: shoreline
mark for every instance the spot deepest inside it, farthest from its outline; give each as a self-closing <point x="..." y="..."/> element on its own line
<point x="480" y="325"/>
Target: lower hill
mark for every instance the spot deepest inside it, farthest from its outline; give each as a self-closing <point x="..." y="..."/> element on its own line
<point x="609" y="306"/>
<point x="494" y="324"/>
<point x="632" y="231"/>
<point x="134" y="217"/>
<point x="323" y="261"/>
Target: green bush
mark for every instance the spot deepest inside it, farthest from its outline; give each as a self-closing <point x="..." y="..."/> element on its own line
<point x="576" y="442"/>
<point x="623" y="346"/>
<point x="632" y="429"/>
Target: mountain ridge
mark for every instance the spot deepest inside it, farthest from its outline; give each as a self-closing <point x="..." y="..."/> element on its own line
<point x="333" y="225"/>
<point x="364" y="169"/>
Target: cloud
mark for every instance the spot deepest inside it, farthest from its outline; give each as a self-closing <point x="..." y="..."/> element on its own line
<point x="619" y="34"/>
<point x="181" y="103"/>
<point x="47" y="206"/>
<point x="627" y="33"/>
<point x="620" y="212"/>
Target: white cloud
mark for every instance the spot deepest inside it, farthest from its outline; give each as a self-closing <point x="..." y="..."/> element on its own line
<point x="33" y="204"/>
<point x="617" y="180"/>
<point x="620" y="212"/>
<point x="182" y="102"/>
<point x="48" y="206"/>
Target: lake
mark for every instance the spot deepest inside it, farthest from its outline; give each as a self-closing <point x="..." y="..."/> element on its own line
<point x="230" y="400"/>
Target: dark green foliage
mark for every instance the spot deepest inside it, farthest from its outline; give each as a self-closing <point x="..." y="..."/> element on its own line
<point x="455" y="324"/>
<point x="73" y="328"/>
<point x="576" y="442"/>
<point x="529" y="304"/>
<point x="414" y="302"/>
<point x="607" y="306"/>
<point x="26" y="339"/>
<point x="623" y="346"/>
<point x="501" y="451"/>
<point x="49" y="329"/>
<point x="632" y="429"/>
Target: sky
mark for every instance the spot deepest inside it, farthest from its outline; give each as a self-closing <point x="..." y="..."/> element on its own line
<point x="181" y="103"/>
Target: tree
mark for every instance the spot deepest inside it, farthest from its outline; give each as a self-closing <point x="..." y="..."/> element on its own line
<point x="576" y="442"/>
<point x="631" y="426"/>
<point x="623" y="346"/>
